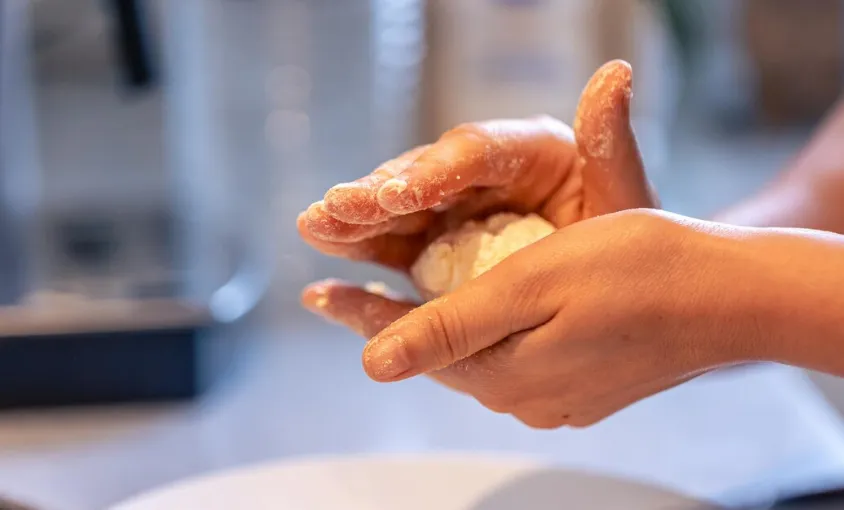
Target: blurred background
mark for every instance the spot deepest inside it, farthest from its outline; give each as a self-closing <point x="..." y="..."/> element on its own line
<point x="154" y="155"/>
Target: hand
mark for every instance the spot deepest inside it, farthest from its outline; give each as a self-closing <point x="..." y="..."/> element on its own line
<point x="595" y="317"/>
<point x="532" y="165"/>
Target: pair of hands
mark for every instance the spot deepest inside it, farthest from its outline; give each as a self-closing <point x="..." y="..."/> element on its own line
<point x="566" y="331"/>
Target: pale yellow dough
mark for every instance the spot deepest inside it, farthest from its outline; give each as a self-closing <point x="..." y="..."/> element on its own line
<point x="473" y="249"/>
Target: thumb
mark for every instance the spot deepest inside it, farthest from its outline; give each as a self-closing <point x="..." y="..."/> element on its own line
<point x="613" y="174"/>
<point x="480" y="313"/>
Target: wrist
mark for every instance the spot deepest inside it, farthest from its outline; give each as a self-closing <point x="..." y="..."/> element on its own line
<point x="790" y="296"/>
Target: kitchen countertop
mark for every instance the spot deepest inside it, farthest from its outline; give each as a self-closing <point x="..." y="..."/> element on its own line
<point x="299" y="391"/>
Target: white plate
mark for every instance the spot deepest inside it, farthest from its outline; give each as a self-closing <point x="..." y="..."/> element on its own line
<point x="418" y="483"/>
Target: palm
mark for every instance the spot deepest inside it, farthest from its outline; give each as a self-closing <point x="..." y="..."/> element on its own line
<point x="523" y="166"/>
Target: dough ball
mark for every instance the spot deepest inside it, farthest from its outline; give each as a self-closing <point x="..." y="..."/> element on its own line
<point x="471" y="250"/>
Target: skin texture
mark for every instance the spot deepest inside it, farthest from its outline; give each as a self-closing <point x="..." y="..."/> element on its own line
<point x="610" y="311"/>
<point x="523" y="166"/>
<point x="615" y="306"/>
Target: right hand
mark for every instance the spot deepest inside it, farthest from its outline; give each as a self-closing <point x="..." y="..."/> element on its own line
<point x="594" y="318"/>
<point x="524" y="166"/>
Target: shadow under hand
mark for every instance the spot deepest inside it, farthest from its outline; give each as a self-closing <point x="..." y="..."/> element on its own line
<point x="556" y="489"/>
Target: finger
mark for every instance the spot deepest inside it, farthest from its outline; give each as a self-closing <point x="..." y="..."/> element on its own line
<point x="566" y="205"/>
<point x="474" y="317"/>
<point x="326" y="227"/>
<point x="366" y="313"/>
<point x="355" y="202"/>
<point x="494" y="153"/>
<point x="495" y="376"/>
<point x="613" y="174"/>
<point x="394" y="251"/>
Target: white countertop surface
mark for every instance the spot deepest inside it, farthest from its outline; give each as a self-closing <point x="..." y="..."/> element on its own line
<point x="301" y="392"/>
<point x="413" y="482"/>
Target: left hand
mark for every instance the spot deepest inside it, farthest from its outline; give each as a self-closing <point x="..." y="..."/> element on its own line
<point x="575" y="327"/>
<point x="536" y="165"/>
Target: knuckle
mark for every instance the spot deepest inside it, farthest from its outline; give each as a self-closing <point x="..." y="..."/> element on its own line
<point x="554" y="127"/>
<point x="643" y="223"/>
<point x="470" y="129"/>
<point x="531" y="271"/>
<point x="532" y="281"/>
<point x="634" y="229"/>
<point x="548" y="123"/>
<point x="526" y="292"/>
<point x="447" y="334"/>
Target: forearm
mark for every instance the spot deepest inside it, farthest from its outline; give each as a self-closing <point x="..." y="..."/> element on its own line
<point x="810" y="194"/>
<point x="795" y="292"/>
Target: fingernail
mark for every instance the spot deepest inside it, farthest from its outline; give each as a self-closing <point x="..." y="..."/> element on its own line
<point x="320" y="303"/>
<point x="344" y="185"/>
<point x="386" y="358"/>
<point x="318" y="206"/>
<point x="341" y="192"/>
<point x="394" y="185"/>
<point x="355" y="203"/>
<point x="395" y="197"/>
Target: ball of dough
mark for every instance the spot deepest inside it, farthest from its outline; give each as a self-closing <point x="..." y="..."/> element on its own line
<point x="474" y="248"/>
